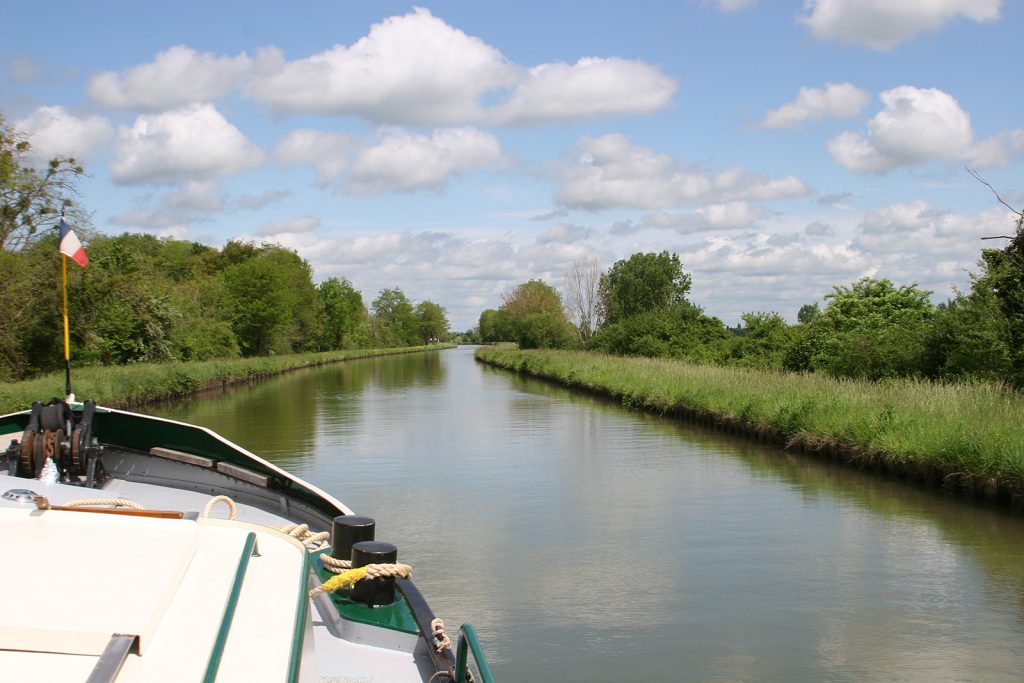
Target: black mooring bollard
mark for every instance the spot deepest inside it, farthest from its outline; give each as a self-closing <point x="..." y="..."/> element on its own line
<point x="347" y="530"/>
<point x="374" y="592"/>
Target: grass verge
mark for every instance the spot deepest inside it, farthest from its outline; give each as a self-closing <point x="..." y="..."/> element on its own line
<point x="962" y="435"/>
<point x="124" y="386"/>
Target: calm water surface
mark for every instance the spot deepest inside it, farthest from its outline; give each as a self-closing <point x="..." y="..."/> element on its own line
<point x="588" y="543"/>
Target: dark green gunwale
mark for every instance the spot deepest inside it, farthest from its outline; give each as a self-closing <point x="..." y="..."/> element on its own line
<point x="229" y="610"/>
<point x="301" y="615"/>
<point x="397" y="616"/>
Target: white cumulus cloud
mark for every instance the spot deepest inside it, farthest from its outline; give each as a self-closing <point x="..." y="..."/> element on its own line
<point x="417" y="69"/>
<point x="197" y="196"/>
<point x="564" y="233"/>
<point x="916" y="126"/>
<point x="730" y="6"/>
<point x="53" y="131"/>
<point x="298" y="225"/>
<point x="754" y="272"/>
<point x="407" y="162"/>
<point x="194" y="142"/>
<point x="883" y="24"/>
<point x="410" y="68"/>
<point x="610" y="171"/>
<point x="329" y="153"/>
<point x="254" y="202"/>
<point x="591" y="88"/>
<point x="176" y="77"/>
<point x="834" y="101"/>
<point x="919" y="230"/>
<point x="999" y="150"/>
<point x="726" y="216"/>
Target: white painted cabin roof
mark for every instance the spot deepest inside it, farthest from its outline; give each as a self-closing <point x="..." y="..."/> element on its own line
<point x="85" y="576"/>
<point x="75" y="578"/>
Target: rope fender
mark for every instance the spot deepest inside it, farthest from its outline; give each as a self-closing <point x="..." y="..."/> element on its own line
<point x="441" y="641"/>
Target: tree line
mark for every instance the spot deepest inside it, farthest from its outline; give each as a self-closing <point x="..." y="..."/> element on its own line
<point x="869" y="329"/>
<point x="149" y="299"/>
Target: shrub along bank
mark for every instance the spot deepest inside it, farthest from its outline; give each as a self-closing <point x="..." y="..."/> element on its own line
<point x="124" y="386"/>
<point x="959" y="435"/>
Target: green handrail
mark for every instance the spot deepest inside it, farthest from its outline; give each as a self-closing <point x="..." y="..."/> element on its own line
<point x="467" y="636"/>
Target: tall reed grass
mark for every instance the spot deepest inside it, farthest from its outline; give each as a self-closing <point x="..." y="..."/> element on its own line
<point x="130" y="385"/>
<point x="959" y="430"/>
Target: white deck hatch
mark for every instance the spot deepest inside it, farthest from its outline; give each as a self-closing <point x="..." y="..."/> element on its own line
<point x="87" y="576"/>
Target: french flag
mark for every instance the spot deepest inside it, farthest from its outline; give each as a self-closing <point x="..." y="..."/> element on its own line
<point x="70" y="246"/>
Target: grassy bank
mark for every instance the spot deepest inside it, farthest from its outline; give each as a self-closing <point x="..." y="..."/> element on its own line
<point x="959" y="435"/>
<point x="132" y="385"/>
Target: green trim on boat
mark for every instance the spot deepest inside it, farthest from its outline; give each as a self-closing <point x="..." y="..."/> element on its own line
<point x="142" y="432"/>
<point x="229" y="610"/>
<point x="396" y="616"/>
<point x="301" y="615"/>
<point x="470" y="639"/>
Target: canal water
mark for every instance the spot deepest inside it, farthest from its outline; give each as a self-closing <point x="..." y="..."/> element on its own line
<point x="590" y="543"/>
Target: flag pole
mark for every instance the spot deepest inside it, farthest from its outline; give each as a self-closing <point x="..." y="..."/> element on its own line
<point x="67" y="339"/>
<point x="68" y="246"/>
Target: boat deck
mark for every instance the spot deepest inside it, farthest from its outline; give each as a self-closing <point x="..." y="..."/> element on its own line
<point x="191" y="593"/>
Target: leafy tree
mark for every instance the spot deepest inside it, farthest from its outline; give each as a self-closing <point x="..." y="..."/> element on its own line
<point x="131" y="321"/>
<point x="30" y="294"/>
<point x="871" y="301"/>
<point x="494" y="326"/>
<point x="534" y="296"/>
<point x="681" y="331"/>
<point x="431" y="321"/>
<point x="641" y="283"/>
<point x="1004" y="278"/>
<point x="533" y="311"/>
<point x="32" y="200"/>
<point x="543" y="331"/>
<point x="202" y="330"/>
<point x="301" y="301"/>
<point x="969" y="337"/>
<point x="235" y="252"/>
<point x="871" y="329"/>
<point x="273" y="305"/>
<point x="394" y="319"/>
<point x="763" y="343"/>
<point x="807" y="313"/>
<point x="342" y="314"/>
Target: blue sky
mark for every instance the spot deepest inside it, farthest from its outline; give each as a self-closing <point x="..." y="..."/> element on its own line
<point x="456" y="149"/>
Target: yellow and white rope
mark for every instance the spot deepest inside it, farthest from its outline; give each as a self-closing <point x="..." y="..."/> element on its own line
<point x="370" y="571"/>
